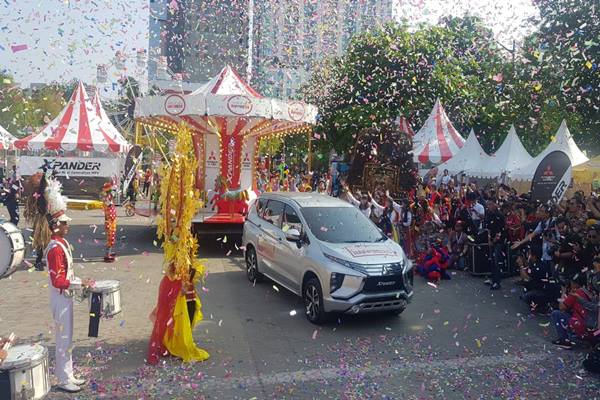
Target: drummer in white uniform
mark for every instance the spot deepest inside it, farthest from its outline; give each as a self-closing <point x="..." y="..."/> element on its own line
<point x="62" y="283"/>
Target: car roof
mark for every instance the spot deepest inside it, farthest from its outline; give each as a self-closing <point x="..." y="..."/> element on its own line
<point x="307" y="199"/>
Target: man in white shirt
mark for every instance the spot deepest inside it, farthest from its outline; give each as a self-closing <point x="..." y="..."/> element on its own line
<point x="445" y="178"/>
<point x="476" y="210"/>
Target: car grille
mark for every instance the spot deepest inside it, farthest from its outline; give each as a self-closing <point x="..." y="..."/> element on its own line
<point x="386" y="283"/>
<point x="384" y="269"/>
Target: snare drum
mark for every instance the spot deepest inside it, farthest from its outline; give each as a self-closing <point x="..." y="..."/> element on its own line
<point x="26" y="368"/>
<point x="12" y="248"/>
<point x="111" y="297"/>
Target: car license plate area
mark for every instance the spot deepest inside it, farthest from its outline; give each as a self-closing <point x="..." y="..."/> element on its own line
<point x="383" y="283"/>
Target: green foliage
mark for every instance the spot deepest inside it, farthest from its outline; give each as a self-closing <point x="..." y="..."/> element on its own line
<point x="392" y="71"/>
<point x="21" y="112"/>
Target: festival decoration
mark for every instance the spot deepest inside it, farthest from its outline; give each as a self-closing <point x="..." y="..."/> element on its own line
<point x="179" y="308"/>
<point x="35" y="212"/>
<point x="110" y="220"/>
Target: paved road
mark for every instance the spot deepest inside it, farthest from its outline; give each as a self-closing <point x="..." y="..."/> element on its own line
<point x="456" y="341"/>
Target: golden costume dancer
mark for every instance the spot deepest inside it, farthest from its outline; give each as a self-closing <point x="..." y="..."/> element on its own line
<point x="36" y="208"/>
<point x="178" y="309"/>
<point x="110" y="220"/>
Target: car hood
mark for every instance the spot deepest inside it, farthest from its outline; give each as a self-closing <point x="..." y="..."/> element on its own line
<point x="365" y="253"/>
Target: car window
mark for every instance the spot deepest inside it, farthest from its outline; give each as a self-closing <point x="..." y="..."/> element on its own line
<point x="340" y="225"/>
<point x="260" y="206"/>
<point x="274" y="212"/>
<point x="291" y="220"/>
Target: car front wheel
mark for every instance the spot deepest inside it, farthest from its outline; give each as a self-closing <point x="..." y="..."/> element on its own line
<point x="252" y="266"/>
<point x="313" y="301"/>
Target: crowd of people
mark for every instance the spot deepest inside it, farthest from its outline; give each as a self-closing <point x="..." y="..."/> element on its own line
<point x="11" y="188"/>
<point x="554" y="249"/>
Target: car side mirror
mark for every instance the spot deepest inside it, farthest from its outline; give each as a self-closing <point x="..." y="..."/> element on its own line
<point x="293" y="235"/>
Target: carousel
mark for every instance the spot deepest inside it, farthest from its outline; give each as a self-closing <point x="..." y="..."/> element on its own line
<point x="227" y="119"/>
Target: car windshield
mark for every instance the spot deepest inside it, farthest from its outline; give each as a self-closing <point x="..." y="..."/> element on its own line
<point x="341" y="225"/>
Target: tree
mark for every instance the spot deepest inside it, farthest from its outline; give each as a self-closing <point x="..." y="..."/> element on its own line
<point x="21" y="112"/>
<point x="391" y="71"/>
<point x="561" y="60"/>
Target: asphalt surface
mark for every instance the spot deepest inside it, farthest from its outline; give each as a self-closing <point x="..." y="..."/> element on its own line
<point x="458" y="340"/>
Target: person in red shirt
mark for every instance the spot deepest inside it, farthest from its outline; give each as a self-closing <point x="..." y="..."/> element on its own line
<point x="62" y="284"/>
<point x="569" y="320"/>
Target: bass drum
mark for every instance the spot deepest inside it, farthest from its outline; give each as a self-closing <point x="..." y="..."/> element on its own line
<point x="12" y="248"/>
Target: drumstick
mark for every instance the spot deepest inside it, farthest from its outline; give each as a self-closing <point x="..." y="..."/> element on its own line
<point x="7" y="344"/>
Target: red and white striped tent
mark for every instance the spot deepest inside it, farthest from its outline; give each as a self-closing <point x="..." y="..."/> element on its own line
<point x="105" y="122"/>
<point x="437" y="141"/>
<point x="6" y="139"/>
<point x="405" y="127"/>
<point x="76" y="128"/>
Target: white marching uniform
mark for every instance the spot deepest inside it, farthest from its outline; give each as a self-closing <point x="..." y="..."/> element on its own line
<point x="61" y="304"/>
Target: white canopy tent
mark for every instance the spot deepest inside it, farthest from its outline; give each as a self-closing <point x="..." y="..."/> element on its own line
<point x="510" y="156"/>
<point x="470" y="160"/>
<point x="563" y="141"/>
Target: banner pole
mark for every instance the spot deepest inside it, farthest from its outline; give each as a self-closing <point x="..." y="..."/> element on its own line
<point x="309" y="160"/>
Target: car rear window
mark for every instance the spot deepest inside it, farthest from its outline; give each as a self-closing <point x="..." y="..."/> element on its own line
<point x="291" y="220"/>
<point x="274" y="212"/>
<point x="260" y="206"/>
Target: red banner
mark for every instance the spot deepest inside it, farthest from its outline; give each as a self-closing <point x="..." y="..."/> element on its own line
<point x="231" y="152"/>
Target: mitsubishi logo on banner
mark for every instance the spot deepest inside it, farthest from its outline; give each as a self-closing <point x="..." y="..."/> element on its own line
<point x="211" y="160"/>
<point x="246" y="164"/>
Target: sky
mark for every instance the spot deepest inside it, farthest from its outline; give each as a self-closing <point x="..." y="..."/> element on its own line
<point x="58" y="40"/>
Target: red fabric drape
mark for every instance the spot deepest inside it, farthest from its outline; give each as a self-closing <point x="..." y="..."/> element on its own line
<point x="167" y="297"/>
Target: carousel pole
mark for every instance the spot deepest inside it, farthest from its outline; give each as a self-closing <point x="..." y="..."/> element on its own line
<point x="138" y="132"/>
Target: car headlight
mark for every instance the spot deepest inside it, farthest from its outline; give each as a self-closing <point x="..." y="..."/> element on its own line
<point x="348" y="264"/>
<point x="336" y="281"/>
<point x="407" y="265"/>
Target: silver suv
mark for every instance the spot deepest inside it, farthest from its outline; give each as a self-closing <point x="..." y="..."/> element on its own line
<point x="325" y="250"/>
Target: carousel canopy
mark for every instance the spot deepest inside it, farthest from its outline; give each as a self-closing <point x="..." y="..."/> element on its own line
<point x="77" y="127"/>
<point x="226" y="105"/>
<point x="6" y="139"/>
<point x="510" y="156"/>
<point x="563" y="141"/>
<point x="469" y="160"/>
<point x="437" y="141"/>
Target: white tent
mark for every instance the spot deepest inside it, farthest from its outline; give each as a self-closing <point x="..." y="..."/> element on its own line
<point x="470" y="160"/>
<point x="510" y="156"/>
<point x="563" y="141"/>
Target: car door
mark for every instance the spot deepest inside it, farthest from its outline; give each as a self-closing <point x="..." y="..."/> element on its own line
<point x="258" y="231"/>
<point x="288" y="254"/>
<point x="271" y="236"/>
